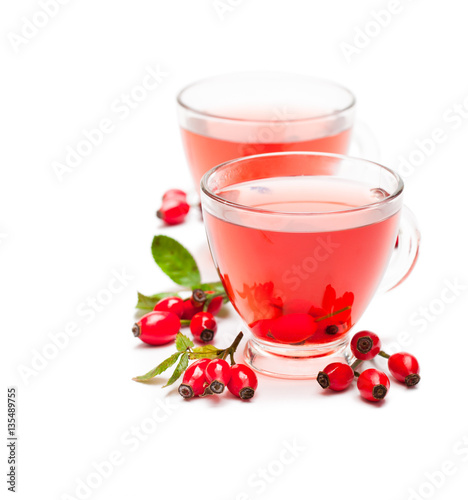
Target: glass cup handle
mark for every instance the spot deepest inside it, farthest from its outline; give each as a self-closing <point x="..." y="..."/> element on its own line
<point x="405" y="254"/>
<point x="364" y="143"/>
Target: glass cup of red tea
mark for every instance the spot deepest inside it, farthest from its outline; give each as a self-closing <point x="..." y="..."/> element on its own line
<point x="302" y="241"/>
<point x="243" y="114"/>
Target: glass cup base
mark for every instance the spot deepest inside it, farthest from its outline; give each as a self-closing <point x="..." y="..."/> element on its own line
<point x="292" y="363"/>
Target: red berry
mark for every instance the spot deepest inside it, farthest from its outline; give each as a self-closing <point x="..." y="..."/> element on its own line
<point x="373" y="384"/>
<point x="405" y="368"/>
<point x="262" y="328"/>
<point x="218" y="375"/>
<point x="177" y="194"/>
<point x="157" y="327"/>
<point x="243" y="381"/>
<point x="293" y="328"/>
<point x="203" y="326"/>
<point x="194" y="380"/>
<point x="173" y="211"/>
<point x="365" y="345"/>
<point x="198" y="297"/>
<point x="215" y="305"/>
<point x="172" y="304"/>
<point x="190" y="310"/>
<point x="336" y="376"/>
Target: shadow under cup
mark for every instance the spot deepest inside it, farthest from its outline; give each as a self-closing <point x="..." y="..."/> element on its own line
<point x="301" y="242"/>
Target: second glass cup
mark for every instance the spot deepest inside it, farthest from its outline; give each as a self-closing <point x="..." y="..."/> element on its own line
<point x="243" y="114"/>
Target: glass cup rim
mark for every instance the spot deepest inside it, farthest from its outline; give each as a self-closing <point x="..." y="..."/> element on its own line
<point x="313" y="79"/>
<point x="371" y="206"/>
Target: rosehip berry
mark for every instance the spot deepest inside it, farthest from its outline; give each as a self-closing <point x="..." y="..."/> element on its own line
<point x="194" y="380"/>
<point x="373" y="384"/>
<point x="157" y="327"/>
<point x="172" y="304"/>
<point x="262" y="328"/>
<point x="173" y="211"/>
<point x="215" y="305"/>
<point x="293" y="328"/>
<point x="332" y="329"/>
<point x="336" y="376"/>
<point x="243" y="381"/>
<point x="365" y="345"/>
<point x="203" y="326"/>
<point x="190" y="310"/>
<point x="218" y="375"/>
<point x="198" y="297"/>
<point x="176" y="194"/>
<point x="405" y="368"/>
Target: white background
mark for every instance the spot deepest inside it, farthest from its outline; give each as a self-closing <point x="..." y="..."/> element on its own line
<point x="61" y="241"/>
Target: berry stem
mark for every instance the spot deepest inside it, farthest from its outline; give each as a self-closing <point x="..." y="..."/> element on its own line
<point x="185" y="322"/>
<point x="356" y="364"/>
<point x="356" y="374"/>
<point x="333" y="314"/>
<point x="210" y="298"/>
<point x="232" y="349"/>
<point x="384" y="354"/>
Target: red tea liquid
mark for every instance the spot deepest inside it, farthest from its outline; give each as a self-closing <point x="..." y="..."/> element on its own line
<point x="298" y="280"/>
<point x="205" y="152"/>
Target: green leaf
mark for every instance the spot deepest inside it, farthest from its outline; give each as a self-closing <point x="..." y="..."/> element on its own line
<point x="148" y="302"/>
<point x="207" y="351"/>
<point x="167" y="363"/>
<point x="215" y="286"/>
<point x="182" y="342"/>
<point x="180" y="368"/>
<point x="176" y="261"/>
